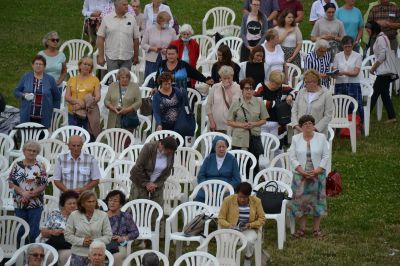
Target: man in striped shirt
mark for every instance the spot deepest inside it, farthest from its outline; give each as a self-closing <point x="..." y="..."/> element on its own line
<point x="320" y="60"/>
<point x="76" y="170"/>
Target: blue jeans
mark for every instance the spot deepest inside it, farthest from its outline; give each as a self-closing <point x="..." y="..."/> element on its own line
<point x="32" y="217"/>
<point x="151" y="67"/>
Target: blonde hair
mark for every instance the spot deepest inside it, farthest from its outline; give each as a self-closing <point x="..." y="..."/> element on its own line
<point x="85" y="59"/>
<point x="163" y="16"/>
<point x="270" y="34"/>
<point x="48" y="36"/>
<point x="312" y="73"/>
<point x="226" y="71"/>
<point x="277" y="77"/>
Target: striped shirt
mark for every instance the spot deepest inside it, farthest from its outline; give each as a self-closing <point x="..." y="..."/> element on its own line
<point x="76" y="173"/>
<point x="320" y="64"/>
<point x="244" y="215"/>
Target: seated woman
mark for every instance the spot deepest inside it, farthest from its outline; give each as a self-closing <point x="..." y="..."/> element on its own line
<point x="218" y="165"/>
<point x="224" y="58"/>
<point x="97" y="254"/>
<point x="220" y="98"/>
<point x="314" y="100"/>
<point x="309" y="157"/>
<point x="256" y="68"/>
<point x="244" y="213"/>
<point x="53" y="229"/>
<point x="35" y="255"/>
<point x="122" y="224"/>
<point x="86" y="225"/>
<point x="319" y="60"/>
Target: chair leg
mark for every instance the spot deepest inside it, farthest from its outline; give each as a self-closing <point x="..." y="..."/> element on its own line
<point x="166" y="247"/>
<point x="353" y="136"/>
<point x="258" y="250"/>
<point x="178" y="249"/>
<point x="366" y="121"/>
<point x="379" y="106"/>
<point x="281" y="232"/>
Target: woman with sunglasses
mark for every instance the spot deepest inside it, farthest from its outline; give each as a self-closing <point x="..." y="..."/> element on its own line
<point x="35" y="255"/>
<point x="55" y="60"/>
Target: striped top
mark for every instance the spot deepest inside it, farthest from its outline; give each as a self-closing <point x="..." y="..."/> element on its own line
<point x="244" y="215"/>
<point x="320" y="64"/>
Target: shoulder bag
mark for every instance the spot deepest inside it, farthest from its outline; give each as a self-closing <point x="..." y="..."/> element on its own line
<point x="129" y="120"/>
<point x="146" y="108"/>
<point x="185" y="124"/>
<point x="271" y="199"/>
<point x="58" y="242"/>
<point x="196" y="226"/>
<point x="255" y="144"/>
<point x="333" y="184"/>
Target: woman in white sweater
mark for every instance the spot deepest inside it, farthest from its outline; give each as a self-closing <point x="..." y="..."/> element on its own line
<point x="309" y="157"/>
<point x="86" y="225"/>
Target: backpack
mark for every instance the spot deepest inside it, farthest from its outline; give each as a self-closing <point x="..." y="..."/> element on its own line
<point x="196" y="226"/>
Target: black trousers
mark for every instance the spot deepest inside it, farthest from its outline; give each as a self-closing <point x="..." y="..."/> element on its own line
<point x="381" y="88"/>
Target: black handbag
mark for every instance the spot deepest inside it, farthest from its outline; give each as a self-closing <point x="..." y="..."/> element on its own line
<point x="185" y="124"/>
<point x="146" y="108"/>
<point x="255" y="144"/>
<point x="271" y="200"/>
<point x="129" y="120"/>
<point x="113" y="246"/>
<point x="58" y="242"/>
<point x="283" y="113"/>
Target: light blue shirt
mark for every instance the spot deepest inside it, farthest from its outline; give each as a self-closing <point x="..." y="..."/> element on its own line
<point x="352" y="20"/>
<point x="54" y="64"/>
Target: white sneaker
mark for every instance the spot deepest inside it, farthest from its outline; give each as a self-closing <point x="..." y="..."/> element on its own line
<point x="246" y="262"/>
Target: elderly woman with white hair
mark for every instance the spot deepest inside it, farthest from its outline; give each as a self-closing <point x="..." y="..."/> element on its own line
<point x="35" y="255"/>
<point x="97" y="253"/>
<point x="319" y="59"/>
<point x="220" y="98"/>
<point x="123" y="100"/>
<point x="55" y="60"/>
<point x="28" y="180"/>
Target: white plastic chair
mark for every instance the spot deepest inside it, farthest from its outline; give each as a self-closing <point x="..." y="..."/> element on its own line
<point x="230" y="30"/>
<point x="181" y="175"/>
<point x="65" y="132"/>
<point x="50" y="204"/>
<point x="194" y="101"/>
<point x="151" y="76"/>
<point x="294" y="74"/>
<point x="137" y="257"/>
<point x="142" y="210"/>
<point x="108" y="184"/>
<point x="206" y="45"/>
<point x="172" y="194"/>
<point x="113" y="76"/>
<point x="96" y="66"/>
<point x="331" y="136"/>
<point x="279" y="217"/>
<point x="368" y="61"/>
<point x="234" y="44"/>
<point x="190" y="159"/>
<point x="50" y="149"/>
<point x="184" y="213"/>
<point x="197" y="258"/>
<point x="270" y="145"/>
<point x="282" y="161"/>
<point x="214" y="193"/>
<point x="306" y="47"/>
<point x="102" y="205"/>
<point x="109" y="257"/>
<point x="3" y="162"/>
<point x="59" y="119"/>
<point x="27" y="131"/>
<point x="117" y="138"/>
<point x="222" y="16"/>
<point x="6" y="194"/>
<point x="140" y="133"/>
<point x="6" y="146"/>
<point x="1" y="254"/>
<point x="340" y="119"/>
<point x="9" y="227"/>
<point x="230" y="243"/>
<point x="367" y="91"/>
<point x="157" y="135"/>
<point x="274" y="174"/>
<point x="76" y="49"/>
<point x="206" y="139"/>
<point x="103" y="153"/>
<point x="245" y="159"/>
<point x="120" y="170"/>
<point x="50" y="255"/>
<point x="131" y="153"/>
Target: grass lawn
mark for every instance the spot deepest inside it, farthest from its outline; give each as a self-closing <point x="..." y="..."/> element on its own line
<point x="363" y="226"/>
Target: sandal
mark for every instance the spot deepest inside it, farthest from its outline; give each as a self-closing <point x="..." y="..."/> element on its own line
<point x="318" y="234"/>
<point x="300" y="233"/>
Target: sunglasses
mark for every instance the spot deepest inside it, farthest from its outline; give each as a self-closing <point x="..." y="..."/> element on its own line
<point x="55" y="40"/>
<point x="37" y="255"/>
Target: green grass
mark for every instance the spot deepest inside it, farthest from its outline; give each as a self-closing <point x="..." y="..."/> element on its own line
<point x="363" y="225"/>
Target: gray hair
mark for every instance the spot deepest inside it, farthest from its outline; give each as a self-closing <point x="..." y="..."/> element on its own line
<point x="150" y="259"/>
<point x="97" y="245"/>
<point x="123" y="71"/>
<point x="33" y="144"/>
<point x="226" y="71"/>
<point x="47" y="37"/>
<point x="186" y="28"/>
<point x="31" y="248"/>
<point x="321" y="43"/>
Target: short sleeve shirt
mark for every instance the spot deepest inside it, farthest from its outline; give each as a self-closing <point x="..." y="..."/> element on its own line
<point x="253" y="29"/>
<point x="54" y="64"/>
<point x="317" y="9"/>
<point x="386" y="12"/>
<point x="340" y="62"/>
<point x="352" y="20"/>
<point x="119" y="33"/>
<point x="80" y="87"/>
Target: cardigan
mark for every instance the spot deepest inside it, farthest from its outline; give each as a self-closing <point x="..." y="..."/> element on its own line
<point x="243" y="29"/>
<point x="193" y="47"/>
<point x="319" y="151"/>
<point x="154" y="37"/>
<point x="78" y="227"/>
<point x="229" y="212"/>
<point x="51" y="97"/>
<point x="132" y="99"/>
<point x="254" y="71"/>
<point x="215" y="68"/>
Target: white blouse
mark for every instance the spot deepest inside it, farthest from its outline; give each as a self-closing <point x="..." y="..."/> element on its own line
<point x="275" y="59"/>
<point x="349" y="64"/>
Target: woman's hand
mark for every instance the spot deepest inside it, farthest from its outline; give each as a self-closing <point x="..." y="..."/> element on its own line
<point x="290" y="59"/>
<point x="317" y="171"/>
<point x="213" y="125"/>
<point x="124" y="111"/>
<point x="119" y="239"/>
<point x="158" y="128"/>
<point x="87" y="241"/>
<point x="289" y="99"/>
<point x="210" y="82"/>
<point x="57" y="232"/>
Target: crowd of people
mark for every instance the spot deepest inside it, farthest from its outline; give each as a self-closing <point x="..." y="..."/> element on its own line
<point x="244" y="99"/>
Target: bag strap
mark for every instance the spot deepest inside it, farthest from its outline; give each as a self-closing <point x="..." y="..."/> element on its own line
<point x="271" y="184"/>
<point x="119" y="222"/>
<point x="245" y="116"/>
<point x="224" y="96"/>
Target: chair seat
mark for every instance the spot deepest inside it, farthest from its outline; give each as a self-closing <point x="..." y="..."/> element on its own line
<point x="8" y="205"/>
<point x="339" y="124"/>
<point x="145" y="234"/>
<point x="263" y="162"/>
<point x="181" y="237"/>
<point x="226" y="262"/>
<point x="272" y="216"/>
<point x="8" y="250"/>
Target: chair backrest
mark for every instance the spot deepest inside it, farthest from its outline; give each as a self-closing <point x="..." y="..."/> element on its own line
<point x="1" y="254"/>
<point x="234" y="44"/>
<point x="9" y="228"/>
<point x="50" y="255"/>
<point x="270" y="144"/>
<point x="230" y="243"/>
<point x="59" y="119"/>
<point x="171" y="194"/>
<point x="157" y="135"/>
<point x="142" y="211"/>
<point x="282" y="160"/>
<point x="50" y="204"/>
<point x="65" y="132"/>
<point x="108" y="184"/>
<point x="366" y="89"/>
<point x="147" y="80"/>
<point x="197" y="258"/>
<point x="205" y="68"/>
<point x="131" y="153"/>
<point x="103" y="153"/>
<point x="341" y="106"/>
<point x="214" y="193"/>
<point x="245" y="159"/>
<point x="222" y="16"/>
<point x="230" y="30"/>
<point x="274" y="174"/>
<point x="137" y="258"/>
<point x="102" y="205"/>
<point x="6" y="144"/>
<point x="113" y="76"/>
<point x="205" y="140"/>
<point x="51" y="148"/>
<point x="117" y="138"/>
<point x="72" y="71"/>
<point x="366" y="75"/>
<point x="29" y="131"/>
<point x="3" y="162"/>
<point x="306" y="47"/>
<point x="76" y="49"/>
<point x="189" y="158"/>
<point x="140" y="133"/>
<point x="206" y="45"/>
<point x="368" y="61"/>
<point x="294" y="74"/>
<point x="120" y="170"/>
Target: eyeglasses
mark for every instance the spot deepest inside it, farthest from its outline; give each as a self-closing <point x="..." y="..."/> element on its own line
<point x="248" y="88"/>
<point x="309" y="123"/>
<point x="55" y="40"/>
<point x="39" y="64"/>
<point x="30" y="150"/>
<point x="37" y="255"/>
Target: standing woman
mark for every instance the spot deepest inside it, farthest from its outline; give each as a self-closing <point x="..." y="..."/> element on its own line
<point x="155" y="41"/>
<point x="38" y="94"/>
<point x="274" y="55"/>
<point x="78" y="87"/>
<point x="352" y="21"/>
<point x="309" y="157"/>
<point x="28" y="180"/>
<point x="152" y="10"/>
<point x="86" y="225"/>
<point x="256" y="68"/>
<point x="123" y="98"/>
<point x="381" y="69"/>
<point x="290" y="37"/>
<point x="224" y="58"/>
<point x="55" y="60"/>
<point x="319" y="59"/>
<point x="252" y="31"/>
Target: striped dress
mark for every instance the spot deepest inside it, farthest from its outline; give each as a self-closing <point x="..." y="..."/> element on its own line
<point x="320" y="64"/>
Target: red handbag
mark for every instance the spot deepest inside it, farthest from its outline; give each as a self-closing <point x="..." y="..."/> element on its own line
<point x="333" y="184"/>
